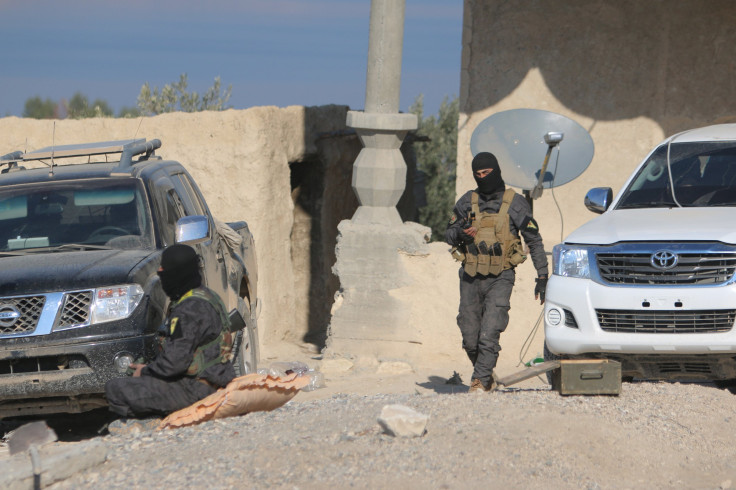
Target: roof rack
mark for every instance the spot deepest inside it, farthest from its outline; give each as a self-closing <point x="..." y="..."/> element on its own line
<point x="16" y="155"/>
<point x="11" y="160"/>
<point x="127" y="149"/>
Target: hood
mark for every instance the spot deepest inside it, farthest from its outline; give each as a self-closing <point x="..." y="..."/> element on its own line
<point x="658" y="224"/>
<point x="59" y="271"/>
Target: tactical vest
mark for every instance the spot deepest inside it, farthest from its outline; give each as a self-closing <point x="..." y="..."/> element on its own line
<point x="495" y="248"/>
<point x="224" y="340"/>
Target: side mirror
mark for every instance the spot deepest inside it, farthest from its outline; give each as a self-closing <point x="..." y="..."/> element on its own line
<point x="599" y="199"/>
<point x="192" y="229"/>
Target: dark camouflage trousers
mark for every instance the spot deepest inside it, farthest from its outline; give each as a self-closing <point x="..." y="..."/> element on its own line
<point x="482" y="316"/>
<point x="147" y="395"/>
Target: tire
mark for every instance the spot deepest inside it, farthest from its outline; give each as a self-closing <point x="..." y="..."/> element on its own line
<point x="245" y="347"/>
<point x="725" y="384"/>
<point x="549" y="356"/>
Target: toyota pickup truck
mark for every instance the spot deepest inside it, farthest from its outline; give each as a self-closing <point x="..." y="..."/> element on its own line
<point x="82" y="228"/>
<point x="651" y="281"/>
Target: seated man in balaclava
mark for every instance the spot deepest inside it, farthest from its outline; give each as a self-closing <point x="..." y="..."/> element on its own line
<point x="196" y="357"/>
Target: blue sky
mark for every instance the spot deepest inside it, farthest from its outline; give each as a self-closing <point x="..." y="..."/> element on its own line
<point x="272" y="52"/>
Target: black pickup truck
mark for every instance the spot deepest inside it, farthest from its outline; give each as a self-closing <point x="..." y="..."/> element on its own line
<point x="80" y="244"/>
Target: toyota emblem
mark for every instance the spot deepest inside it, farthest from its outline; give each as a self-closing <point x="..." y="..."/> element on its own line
<point x="9" y="314"/>
<point x="664" y="260"/>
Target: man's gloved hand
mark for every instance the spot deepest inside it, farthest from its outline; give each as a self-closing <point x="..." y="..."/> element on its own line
<point x="133" y="367"/>
<point x="467" y="235"/>
<point x="540" y="288"/>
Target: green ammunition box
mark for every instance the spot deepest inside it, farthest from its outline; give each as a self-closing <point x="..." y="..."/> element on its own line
<point x="587" y="377"/>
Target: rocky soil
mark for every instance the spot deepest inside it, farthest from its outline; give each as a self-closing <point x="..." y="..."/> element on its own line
<point x="653" y="435"/>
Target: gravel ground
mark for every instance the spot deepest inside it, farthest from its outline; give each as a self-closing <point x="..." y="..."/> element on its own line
<point x="653" y="435"/>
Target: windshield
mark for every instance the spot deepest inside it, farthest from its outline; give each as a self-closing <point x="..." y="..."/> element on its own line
<point x="77" y="215"/>
<point x="704" y="175"/>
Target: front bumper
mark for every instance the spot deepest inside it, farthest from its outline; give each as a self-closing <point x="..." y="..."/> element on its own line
<point x="75" y="361"/>
<point x="581" y="298"/>
<point x="66" y="370"/>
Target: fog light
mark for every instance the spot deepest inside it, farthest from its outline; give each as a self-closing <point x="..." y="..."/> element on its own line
<point x="554" y="316"/>
<point x="122" y="362"/>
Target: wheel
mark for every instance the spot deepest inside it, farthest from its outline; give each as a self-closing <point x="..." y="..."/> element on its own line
<point x="245" y="347"/>
<point x="725" y="384"/>
<point x="245" y="360"/>
<point x="549" y="356"/>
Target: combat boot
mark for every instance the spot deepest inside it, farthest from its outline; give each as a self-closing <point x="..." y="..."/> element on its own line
<point x="477" y="385"/>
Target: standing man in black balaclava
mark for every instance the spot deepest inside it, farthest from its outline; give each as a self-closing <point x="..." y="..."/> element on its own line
<point x="196" y="356"/>
<point x="484" y="231"/>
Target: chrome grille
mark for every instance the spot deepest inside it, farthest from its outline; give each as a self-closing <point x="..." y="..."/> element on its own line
<point x="655" y="321"/>
<point x="691" y="268"/>
<point x="29" y="309"/>
<point x="75" y="311"/>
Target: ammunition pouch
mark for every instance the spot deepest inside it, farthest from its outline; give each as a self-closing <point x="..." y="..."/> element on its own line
<point x="495" y="248"/>
<point x="516" y="254"/>
<point x="457" y="254"/>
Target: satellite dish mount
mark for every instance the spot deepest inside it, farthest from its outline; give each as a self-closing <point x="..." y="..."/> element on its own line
<point x="552" y="139"/>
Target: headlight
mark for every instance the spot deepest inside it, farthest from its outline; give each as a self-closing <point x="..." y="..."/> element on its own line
<point x="570" y="261"/>
<point x="115" y="302"/>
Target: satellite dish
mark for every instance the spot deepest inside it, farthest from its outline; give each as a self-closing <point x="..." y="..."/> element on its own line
<point x="535" y="149"/>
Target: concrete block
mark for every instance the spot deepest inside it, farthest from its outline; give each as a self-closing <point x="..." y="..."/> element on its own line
<point x="57" y="462"/>
<point x="402" y="421"/>
<point x="366" y="318"/>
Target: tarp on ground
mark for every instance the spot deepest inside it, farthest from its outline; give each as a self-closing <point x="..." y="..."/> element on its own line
<point x="249" y="393"/>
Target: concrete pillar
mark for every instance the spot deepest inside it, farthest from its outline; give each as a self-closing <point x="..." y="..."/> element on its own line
<point x="386" y="41"/>
<point x="366" y="320"/>
<point x="379" y="173"/>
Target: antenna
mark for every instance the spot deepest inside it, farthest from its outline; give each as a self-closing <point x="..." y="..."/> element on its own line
<point x="523" y="141"/>
<point x="53" y="144"/>
<point x="139" y="127"/>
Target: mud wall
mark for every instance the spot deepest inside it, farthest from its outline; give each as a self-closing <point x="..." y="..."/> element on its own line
<point x="629" y="71"/>
<point x="242" y="161"/>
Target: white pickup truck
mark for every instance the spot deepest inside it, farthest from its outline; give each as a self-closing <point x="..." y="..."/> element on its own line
<point x="651" y="282"/>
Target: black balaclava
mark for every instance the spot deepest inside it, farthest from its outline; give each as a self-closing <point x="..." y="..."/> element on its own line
<point x="492" y="182"/>
<point x="179" y="270"/>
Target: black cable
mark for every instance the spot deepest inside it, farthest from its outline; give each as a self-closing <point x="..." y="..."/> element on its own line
<point x="528" y="342"/>
<point x="554" y="198"/>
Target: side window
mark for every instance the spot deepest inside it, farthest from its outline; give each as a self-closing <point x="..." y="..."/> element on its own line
<point x="173" y="210"/>
<point x="190" y="205"/>
<point x="193" y="194"/>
